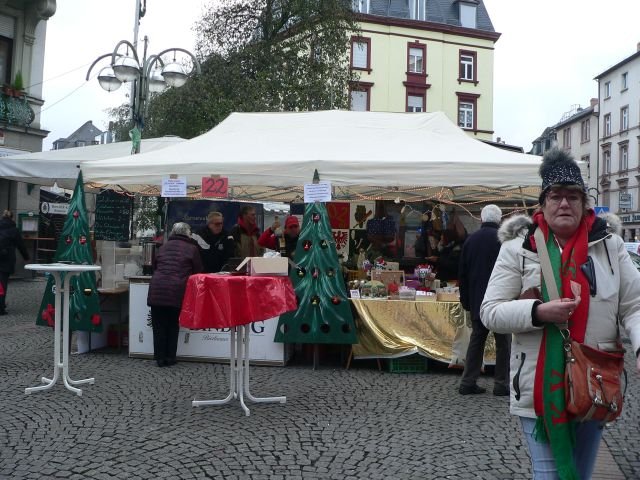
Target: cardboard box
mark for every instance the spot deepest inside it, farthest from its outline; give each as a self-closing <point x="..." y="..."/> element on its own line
<point x="388" y="276"/>
<point x="266" y="267"/>
<point x="448" y="297"/>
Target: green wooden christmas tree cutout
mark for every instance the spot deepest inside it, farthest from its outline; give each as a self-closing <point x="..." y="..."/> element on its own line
<point x="323" y="314"/>
<point x="74" y="247"/>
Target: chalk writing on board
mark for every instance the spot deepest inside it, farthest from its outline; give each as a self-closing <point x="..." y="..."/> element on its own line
<point x="113" y="211"/>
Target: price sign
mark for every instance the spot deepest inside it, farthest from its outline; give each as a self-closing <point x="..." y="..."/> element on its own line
<point x="216" y="187"/>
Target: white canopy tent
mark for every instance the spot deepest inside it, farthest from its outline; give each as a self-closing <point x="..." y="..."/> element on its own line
<point x="61" y="166"/>
<point x="365" y="155"/>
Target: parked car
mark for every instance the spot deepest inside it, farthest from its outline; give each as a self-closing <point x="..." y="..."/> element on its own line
<point x="632" y="247"/>
<point x="635" y="258"/>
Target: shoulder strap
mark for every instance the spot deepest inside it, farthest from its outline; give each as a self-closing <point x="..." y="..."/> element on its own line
<point x="545" y="265"/>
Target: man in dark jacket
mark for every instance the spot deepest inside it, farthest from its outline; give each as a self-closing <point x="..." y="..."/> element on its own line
<point x="215" y="244"/>
<point x="10" y="239"/>
<point x="479" y="254"/>
<point x="176" y="261"/>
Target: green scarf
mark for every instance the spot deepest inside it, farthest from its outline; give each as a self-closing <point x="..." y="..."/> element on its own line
<point x="553" y="425"/>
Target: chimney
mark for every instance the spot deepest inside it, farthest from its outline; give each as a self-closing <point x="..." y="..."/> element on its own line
<point x="638" y="46"/>
<point x="594" y="101"/>
<point x="498" y="140"/>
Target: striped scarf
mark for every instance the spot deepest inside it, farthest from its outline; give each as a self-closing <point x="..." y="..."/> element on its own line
<point x="553" y="424"/>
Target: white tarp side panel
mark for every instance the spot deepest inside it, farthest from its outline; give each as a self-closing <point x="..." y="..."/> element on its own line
<point x="61" y="166"/>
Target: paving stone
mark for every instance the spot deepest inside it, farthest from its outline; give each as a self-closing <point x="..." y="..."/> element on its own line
<point x="136" y="422"/>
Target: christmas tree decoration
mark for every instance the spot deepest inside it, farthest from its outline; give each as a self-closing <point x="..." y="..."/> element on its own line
<point x="324" y="244"/>
<point x="323" y="314"/>
<point x="301" y="272"/>
<point x="84" y="304"/>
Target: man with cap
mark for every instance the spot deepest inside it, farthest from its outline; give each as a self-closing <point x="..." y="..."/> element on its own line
<point x="271" y="237"/>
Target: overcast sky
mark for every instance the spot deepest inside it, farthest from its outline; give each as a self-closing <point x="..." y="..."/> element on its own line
<point x="545" y="60"/>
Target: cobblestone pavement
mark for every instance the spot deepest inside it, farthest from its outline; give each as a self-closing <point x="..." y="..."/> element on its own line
<point x="137" y="421"/>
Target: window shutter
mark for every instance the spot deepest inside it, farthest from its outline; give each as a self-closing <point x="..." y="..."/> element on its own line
<point x="7" y="26"/>
<point x="360" y="54"/>
<point x="358" y="101"/>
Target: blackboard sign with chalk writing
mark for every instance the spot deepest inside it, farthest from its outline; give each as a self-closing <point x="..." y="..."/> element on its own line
<point x="113" y="212"/>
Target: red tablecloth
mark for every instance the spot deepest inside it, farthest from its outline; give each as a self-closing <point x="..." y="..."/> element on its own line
<point x="222" y="301"/>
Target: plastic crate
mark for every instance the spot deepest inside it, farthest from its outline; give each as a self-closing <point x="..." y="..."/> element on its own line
<point x="410" y="364"/>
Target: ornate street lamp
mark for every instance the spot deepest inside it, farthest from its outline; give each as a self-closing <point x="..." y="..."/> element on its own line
<point x="152" y="75"/>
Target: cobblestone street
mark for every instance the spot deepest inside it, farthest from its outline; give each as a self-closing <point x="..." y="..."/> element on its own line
<point x="137" y="422"/>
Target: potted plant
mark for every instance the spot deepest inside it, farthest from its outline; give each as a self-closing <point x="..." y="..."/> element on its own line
<point x="18" y="84"/>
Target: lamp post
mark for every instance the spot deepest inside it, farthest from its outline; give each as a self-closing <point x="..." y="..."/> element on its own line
<point x="151" y="75"/>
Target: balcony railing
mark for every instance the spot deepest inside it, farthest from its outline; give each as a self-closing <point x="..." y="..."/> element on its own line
<point x="15" y="110"/>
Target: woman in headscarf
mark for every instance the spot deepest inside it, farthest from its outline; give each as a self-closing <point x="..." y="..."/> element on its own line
<point x="590" y="305"/>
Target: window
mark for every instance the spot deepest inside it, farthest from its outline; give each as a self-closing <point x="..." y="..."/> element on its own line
<point x="6" y="53"/>
<point x="606" y="161"/>
<point x="416" y="62"/>
<point x="415" y="103"/>
<point x="624" y="157"/>
<point x="624" y="81"/>
<point x="361" y="6"/>
<point x="361" y="53"/>
<point x="467" y="15"/>
<point x="417" y="9"/>
<point x="607" y="125"/>
<point x="607" y="89"/>
<point x="361" y="97"/>
<point x="467" y="66"/>
<point x="467" y="110"/>
<point x="566" y="138"/>
<point x="465" y="115"/>
<point x="624" y="118"/>
<point x="585" y="131"/>
<point x="81" y="143"/>
<point x="416" y="58"/>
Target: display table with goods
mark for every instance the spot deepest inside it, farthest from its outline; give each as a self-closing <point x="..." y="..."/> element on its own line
<point x="398" y="328"/>
<point x="234" y="303"/>
<point x="62" y="275"/>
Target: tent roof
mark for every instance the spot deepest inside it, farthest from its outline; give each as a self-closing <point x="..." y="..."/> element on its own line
<point x="61" y="166"/>
<point x="363" y="154"/>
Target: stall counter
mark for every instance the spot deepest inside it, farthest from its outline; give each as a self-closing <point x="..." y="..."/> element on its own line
<point x="396" y="328"/>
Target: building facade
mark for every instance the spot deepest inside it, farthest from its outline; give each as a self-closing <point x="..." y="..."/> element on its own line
<point x="419" y="55"/>
<point x="23" y="25"/>
<point x="87" y="134"/>
<point x="619" y="142"/>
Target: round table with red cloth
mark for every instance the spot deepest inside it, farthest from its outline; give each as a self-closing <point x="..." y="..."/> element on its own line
<point x="226" y="301"/>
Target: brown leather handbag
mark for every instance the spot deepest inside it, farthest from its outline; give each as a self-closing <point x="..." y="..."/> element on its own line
<point x="592" y="377"/>
<point x="593" y="381"/>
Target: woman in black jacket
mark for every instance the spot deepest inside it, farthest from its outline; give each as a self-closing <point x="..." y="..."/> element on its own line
<point x="10" y="239"/>
<point x="177" y="259"/>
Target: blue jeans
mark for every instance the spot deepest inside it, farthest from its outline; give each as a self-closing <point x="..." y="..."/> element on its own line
<point x="588" y="436"/>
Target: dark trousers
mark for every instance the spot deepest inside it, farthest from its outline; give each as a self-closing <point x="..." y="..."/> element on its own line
<point x="164" y="321"/>
<point x="4" y="280"/>
<point x="475" y="355"/>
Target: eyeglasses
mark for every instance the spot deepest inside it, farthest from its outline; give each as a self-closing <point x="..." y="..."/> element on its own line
<point x="572" y="199"/>
<point x="217" y="224"/>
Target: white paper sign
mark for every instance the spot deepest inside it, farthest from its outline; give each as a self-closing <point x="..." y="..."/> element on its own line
<point x="317" y="192"/>
<point x="174" y="187"/>
<point x="354" y="293"/>
<point x="54" y="208"/>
